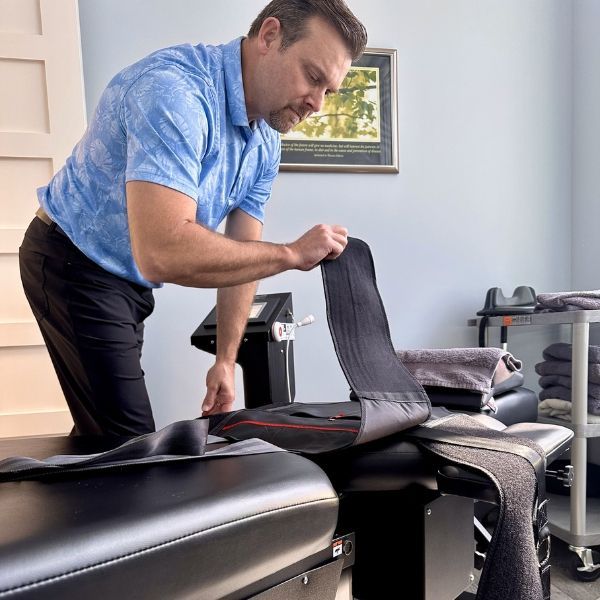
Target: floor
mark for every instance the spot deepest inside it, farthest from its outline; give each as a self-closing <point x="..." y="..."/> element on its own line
<point x="564" y="586"/>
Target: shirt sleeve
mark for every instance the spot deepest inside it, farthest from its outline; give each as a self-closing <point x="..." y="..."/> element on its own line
<point x="166" y="122"/>
<point x="258" y="195"/>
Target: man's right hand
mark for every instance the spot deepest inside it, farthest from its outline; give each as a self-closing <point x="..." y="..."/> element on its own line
<point x="322" y="242"/>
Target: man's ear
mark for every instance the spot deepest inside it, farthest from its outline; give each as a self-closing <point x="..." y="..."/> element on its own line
<point x="269" y="34"/>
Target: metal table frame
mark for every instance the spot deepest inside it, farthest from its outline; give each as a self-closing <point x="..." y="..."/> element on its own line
<point x="577" y="533"/>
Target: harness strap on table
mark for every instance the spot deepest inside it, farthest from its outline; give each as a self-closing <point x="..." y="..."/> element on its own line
<point x="183" y="440"/>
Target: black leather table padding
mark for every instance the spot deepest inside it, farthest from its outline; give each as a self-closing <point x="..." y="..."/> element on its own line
<point x="516" y="406"/>
<point x="162" y="531"/>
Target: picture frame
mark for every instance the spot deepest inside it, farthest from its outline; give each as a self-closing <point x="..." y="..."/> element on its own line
<point x="357" y="128"/>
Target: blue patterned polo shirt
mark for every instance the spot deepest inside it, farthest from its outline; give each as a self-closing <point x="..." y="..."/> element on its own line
<point x="177" y="118"/>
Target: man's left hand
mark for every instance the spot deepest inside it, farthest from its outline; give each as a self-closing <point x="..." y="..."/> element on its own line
<point x="220" y="389"/>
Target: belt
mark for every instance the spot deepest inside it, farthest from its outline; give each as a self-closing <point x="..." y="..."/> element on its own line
<point x="40" y="213"/>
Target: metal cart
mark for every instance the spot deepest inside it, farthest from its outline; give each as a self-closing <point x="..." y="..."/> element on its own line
<point x="575" y="518"/>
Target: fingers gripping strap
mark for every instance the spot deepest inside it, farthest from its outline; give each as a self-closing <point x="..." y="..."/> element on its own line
<point x="391" y="398"/>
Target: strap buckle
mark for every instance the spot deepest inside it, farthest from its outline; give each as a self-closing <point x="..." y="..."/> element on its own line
<point x="543" y="551"/>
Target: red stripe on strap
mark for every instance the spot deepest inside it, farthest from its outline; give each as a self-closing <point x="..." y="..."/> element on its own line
<point x="288" y="426"/>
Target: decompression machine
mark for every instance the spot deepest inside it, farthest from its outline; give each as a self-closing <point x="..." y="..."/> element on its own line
<point x="383" y="520"/>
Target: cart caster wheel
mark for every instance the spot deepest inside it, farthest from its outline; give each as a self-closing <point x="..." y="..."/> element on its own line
<point x="584" y="572"/>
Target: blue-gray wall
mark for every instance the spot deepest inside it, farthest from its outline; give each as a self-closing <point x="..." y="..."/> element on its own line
<point x="483" y="197"/>
<point x="586" y="144"/>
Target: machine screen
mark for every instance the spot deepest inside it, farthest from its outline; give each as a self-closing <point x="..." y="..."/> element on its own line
<point x="262" y="312"/>
<point x="256" y="309"/>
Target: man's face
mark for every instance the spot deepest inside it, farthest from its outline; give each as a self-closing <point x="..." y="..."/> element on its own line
<point x="296" y="80"/>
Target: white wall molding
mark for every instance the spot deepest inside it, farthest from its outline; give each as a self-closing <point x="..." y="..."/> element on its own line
<point x="26" y="333"/>
<point x="50" y="422"/>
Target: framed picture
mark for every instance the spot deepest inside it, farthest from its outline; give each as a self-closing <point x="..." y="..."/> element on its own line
<point x="356" y="129"/>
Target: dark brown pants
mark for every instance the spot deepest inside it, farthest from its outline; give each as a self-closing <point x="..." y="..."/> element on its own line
<point x="93" y="325"/>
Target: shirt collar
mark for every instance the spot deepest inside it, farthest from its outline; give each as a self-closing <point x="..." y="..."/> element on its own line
<point x="234" y="86"/>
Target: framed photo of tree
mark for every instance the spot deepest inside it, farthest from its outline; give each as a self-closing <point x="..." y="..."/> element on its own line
<point x="356" y="129"/>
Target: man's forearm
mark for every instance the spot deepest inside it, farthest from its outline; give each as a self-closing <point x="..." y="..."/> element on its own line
<point x="233" y="308"/>
<point x="169" y="246"/>
<point x="223" y="262"/>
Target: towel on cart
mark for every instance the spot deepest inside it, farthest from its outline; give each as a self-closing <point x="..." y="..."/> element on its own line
<point x="562" y="351"/>
<point x="561" y="409"/>
<point x="560" y="392"/>
<point x="474" y="369"/>
<point x="560" y="301"/>
<point x="564" y="367"/>
<point x="548" y="381"/>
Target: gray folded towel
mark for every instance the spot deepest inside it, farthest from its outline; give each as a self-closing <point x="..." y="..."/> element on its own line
<point x="563" y="393"/>
<point x="463" y="368"/>
<point x="563" y="367"/>
<point x="562" y="351"/>
<point x="548" y="381"/>
<point x="589" y="300"/>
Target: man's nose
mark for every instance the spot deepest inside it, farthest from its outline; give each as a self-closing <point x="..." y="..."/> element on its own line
<point x="315" y="100"/>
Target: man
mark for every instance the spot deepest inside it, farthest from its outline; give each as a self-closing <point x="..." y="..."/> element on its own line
<point x="179" y="141"/>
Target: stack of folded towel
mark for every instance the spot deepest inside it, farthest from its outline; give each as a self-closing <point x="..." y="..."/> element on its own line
<point x="556" y="382"/>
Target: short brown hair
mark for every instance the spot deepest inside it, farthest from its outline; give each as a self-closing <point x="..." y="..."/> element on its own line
<point x="294" y="14"/>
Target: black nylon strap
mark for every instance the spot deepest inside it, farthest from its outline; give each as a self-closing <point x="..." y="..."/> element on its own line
<point x="183" y="440"/>
<point x="360" y="330"/>
<point x="186" y="437"/>
<point x="391" y="398"/>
